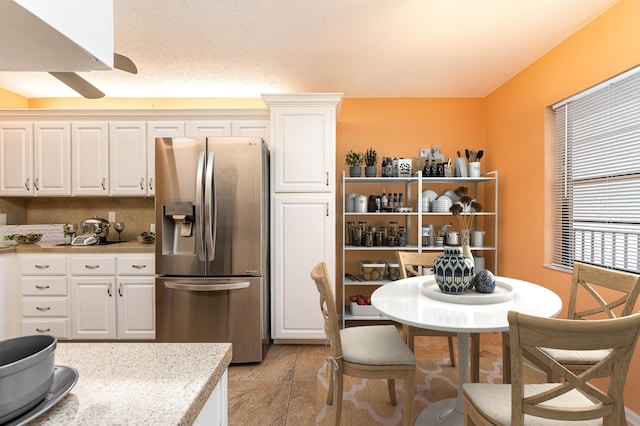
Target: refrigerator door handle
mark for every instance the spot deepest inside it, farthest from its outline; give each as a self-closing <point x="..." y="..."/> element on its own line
<point x="199" y="211"/>
<point x="210" y="207"/>
<point x="207" y="287"/>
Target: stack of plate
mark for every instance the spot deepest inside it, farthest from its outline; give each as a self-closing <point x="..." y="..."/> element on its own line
<point x="428" y="197"/>
<point x="442" y="204"/>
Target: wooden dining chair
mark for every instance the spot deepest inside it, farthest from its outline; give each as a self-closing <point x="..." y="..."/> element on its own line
<point x="410" y="264"/>
<point x="574" y="399"/>
<point x="596" y="293"/>
<point x="375" y="352"/>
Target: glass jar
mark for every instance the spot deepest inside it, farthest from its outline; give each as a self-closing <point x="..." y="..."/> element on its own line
<point x="379" y="239"/>
<point x="368" y="239"/>
<point x="391" y="241"/>
<point x="393" y="229"/>
<point x="349" y="233"/>
<point x="402" y="238"/>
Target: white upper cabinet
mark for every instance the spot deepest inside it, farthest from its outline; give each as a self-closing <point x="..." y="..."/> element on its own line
<point x="52" y="159"/>
<point x="159" y="129"/>
<point x="90" y="158"/>
<point x="251" y="128"/>
<point x="128" y="158"/>
<point x="303" y="142"/>
<point x="35" y="159"/>
<point x="209" y="128"/>
<point x="16" y="159"/>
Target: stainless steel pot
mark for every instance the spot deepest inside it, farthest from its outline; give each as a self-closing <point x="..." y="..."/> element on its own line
<point x="97" y="227"/>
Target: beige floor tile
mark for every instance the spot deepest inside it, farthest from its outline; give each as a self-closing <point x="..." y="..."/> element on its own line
<point x="278" y="364"/>
<point x="263" y="403"/>
<point x="301" y="403"/>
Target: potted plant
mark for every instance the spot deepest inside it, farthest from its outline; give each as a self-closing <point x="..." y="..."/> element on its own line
<point x="370" y="160"/>
<point x="354" y="160"/>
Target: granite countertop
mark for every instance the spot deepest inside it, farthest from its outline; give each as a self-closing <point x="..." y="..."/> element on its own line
<point x="56" y="247"/>
<point x="137" y="383"/>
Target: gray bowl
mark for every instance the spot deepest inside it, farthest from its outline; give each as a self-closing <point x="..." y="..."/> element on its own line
<point x="26" y="373"/>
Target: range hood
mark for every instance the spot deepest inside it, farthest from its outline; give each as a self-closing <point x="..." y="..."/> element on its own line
<point x="56" y="36"/>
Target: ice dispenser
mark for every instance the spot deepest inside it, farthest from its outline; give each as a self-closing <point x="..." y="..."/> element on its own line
<point x="177" y="223"/>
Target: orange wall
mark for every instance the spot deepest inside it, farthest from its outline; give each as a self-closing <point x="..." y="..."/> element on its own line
<point x="515" y="131"/>
<point x="11" y="100"/>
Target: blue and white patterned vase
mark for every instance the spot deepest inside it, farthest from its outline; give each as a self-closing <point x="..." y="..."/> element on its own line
<point x="453" y="271"/>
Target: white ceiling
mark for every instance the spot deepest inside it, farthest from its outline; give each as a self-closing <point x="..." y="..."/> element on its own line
<point x="364" y="48"/>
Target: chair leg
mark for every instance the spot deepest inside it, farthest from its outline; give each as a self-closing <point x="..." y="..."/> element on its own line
<point x="452" y="355"/>
<point x="391" y="384"/>
<point x="331" y="386"/>
<point x="338" y="397"/>
<point x="475" y="357"/>
<point x="506" y="359"/>
<point x="409" y="390"/>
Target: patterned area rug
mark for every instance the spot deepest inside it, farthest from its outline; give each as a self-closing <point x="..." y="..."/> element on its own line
<point x="366" y="401"/>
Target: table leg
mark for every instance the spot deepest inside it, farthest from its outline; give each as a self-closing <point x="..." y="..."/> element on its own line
<point x="450" y="412"/>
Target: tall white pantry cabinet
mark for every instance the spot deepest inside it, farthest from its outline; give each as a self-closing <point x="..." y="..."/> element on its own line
<point x="303" y="191"/>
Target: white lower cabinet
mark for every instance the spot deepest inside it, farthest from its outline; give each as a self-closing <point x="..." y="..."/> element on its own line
<point x="89" y="296"/>
<point x="44" y="295"/>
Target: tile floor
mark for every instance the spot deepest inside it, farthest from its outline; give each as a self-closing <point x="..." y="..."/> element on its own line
<point x="282" y="390"/>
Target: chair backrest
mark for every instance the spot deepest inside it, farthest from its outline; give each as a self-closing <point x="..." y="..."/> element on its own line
<point x="598" y="282"/>
<point x="410" y="262"/>
<point x="328" y="308"/>
<point x="529" y="332"/>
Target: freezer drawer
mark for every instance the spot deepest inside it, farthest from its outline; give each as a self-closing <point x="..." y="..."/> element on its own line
<point x="214" y="310"/>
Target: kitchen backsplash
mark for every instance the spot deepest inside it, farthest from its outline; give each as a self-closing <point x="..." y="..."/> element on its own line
<point x="136" y="212"/>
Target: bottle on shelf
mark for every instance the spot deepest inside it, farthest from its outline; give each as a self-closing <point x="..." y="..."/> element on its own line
<point x="395" y="200"/>
<point x="384" y="200"/>
<point x="400" y="200"/>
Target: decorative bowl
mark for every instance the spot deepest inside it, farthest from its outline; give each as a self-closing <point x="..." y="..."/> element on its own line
<point x="147" y="237"/>
<point x="24" y="238"/>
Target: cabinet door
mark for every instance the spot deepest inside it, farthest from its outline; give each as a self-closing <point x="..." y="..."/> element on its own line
<point x="90" y="158"/>
<point x="93" y="308"/>
<point x="136" y="308"/>
<point x="16" y="159"/>
<point x="258" y="128"/>
<point x="303" y="234"/>
<point x="208" y="128"/>
<point x="52" y="159"/>
<point x="128" y="158"/>
<point x="159" y="129"/>
<point x="303" y="154"/>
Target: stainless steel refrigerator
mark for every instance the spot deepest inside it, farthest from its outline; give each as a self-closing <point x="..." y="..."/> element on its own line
<point x="212" y="247"/>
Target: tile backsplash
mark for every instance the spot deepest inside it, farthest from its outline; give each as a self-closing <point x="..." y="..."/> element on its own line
<point x="136" y="212"/>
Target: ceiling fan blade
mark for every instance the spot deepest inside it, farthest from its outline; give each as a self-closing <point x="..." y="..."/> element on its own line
<point x="123" y="63"/>
<point x="78" y="84"/>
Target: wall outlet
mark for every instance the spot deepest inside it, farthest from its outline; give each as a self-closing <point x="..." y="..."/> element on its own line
<point x="424" y="152"/>
<point x="112" y="216"/>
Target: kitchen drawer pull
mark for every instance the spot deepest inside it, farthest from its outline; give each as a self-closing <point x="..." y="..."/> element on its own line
<point x="104" y="183"/>
<point x="151" y="183"/>
<point x="45" y="308"/>
<point x="120" y="289"/>
<point x="43" y="330"/>
<point x="109" y="290"/>
<point x="42" y="266"/>
<point x="42" y="287"/>
<point x="141" y="183"/>
<point x="204" y="287"/>
<point x="139" y="266"/>
<point x="92" y="266"/>
<point x="35" y="182"/>
<point x="26" y="184"/>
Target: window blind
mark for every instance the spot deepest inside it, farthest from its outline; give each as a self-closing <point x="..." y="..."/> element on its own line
<point x="597" y="176"/>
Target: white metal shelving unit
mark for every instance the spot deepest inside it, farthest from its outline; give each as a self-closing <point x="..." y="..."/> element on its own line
<point x="483" y="188"/>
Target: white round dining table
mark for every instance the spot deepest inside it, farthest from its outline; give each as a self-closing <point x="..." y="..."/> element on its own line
<point x="403" y="301"/>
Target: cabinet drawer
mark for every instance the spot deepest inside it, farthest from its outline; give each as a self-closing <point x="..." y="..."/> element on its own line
<point x="93" y="266"/>
<point x="44" y="286"/>
<point x="58" y="327"/>
<point x="43" y="265"/>
<point x="45" y="307"/>
<point x="134" y="265"/>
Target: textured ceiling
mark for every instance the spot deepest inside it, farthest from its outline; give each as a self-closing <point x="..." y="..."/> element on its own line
<point x="364" y="48"/>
